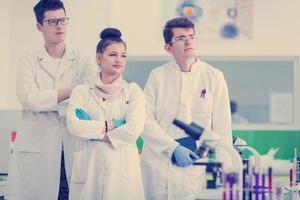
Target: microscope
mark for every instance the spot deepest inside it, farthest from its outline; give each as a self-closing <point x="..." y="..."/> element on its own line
<point x="213" y="168"/>
<point x="206" y="150"/>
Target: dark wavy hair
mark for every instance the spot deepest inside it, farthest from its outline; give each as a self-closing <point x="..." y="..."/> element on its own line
<point x="109" y="36"/>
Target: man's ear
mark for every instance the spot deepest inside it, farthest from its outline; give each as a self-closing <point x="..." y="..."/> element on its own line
<point x="39" y="27"/>
<point x="168" y="48"/>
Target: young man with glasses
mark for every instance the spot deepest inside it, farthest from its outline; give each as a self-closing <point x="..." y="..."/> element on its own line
<point x="192" y="91"/>
<point x="42" y="157"/>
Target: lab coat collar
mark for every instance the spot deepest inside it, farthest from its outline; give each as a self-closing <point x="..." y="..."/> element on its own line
<point x="99" y="100"/>
<point x="46" y="62"/>
<point x="92" y="88"/>
<point x="69" y="54"/>
<point x="95" y="96"/>
<point x="195" y="67"/>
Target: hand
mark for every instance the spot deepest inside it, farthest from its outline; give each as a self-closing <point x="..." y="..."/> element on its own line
<point x="105" y="138"/>
<point x="119" y="122"/>
<point x="81" y="114"/>
<point x="183" y="157"/>
<point x="63" y="94"/>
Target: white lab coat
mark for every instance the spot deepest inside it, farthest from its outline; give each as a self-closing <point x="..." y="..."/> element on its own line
<point x="170" y="94"/>
<point x="35" y="164"/>
<point x="107" y="170"/>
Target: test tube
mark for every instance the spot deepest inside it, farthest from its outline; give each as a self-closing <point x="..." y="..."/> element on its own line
<point x="291" y="178"/>
<point x="247" y="188"/>
<point x="263" y="187"/>
<point x="256" y="186"/>
<point x="270" y="182"/>
<point x="251" y="183"/>
<point x="278" y="192"/>
<point x="237" y="194"/>
<point x="224" y="185"/>
<point x="298" y="170"/>
<point x="231" y="182"/>
<point x="13" y="135"/>
<point x="295" y="167"/>
<point x="244" y="184"/>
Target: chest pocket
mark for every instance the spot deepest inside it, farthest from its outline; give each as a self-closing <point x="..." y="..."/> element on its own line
<point x="203" y="104"/>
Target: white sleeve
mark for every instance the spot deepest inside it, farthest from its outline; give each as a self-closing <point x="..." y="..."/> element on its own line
<point x="87" y="129"/>
<point x="30" y="96"/>
<point x="154" y="136"/>
<point x="135" y="117"/>
<point x="88" y="73"/>
<point x="87" y="70"/>
<point x="221" y="117"/>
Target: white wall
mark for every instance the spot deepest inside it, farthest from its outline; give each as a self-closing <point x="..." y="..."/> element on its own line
<point x="276" y="29"/>
<point x="276" y="32"/>
<point x="4" y="51"/>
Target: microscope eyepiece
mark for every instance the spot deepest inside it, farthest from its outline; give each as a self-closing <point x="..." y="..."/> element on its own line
<point x="192" y="129"/>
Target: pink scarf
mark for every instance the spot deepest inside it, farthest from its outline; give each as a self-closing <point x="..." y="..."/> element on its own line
<point x="108" y="91"/>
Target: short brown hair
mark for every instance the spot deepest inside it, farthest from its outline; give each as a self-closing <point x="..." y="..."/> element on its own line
<point x="179" y="22"/>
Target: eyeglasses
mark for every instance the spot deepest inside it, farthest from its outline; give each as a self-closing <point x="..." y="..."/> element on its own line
<point x="183" y="39"/>
<point x="54" y="22"/>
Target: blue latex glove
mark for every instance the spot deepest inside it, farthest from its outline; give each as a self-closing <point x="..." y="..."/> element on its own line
<point x="183" y="157"/>
<point x="81" y="114"/>
<point x="119" y="122"/>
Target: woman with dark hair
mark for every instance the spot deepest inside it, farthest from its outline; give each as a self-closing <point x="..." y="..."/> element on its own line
<point x="107" y="117"/>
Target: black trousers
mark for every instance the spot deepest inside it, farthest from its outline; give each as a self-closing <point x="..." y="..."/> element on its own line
<point x="63" y="185"/>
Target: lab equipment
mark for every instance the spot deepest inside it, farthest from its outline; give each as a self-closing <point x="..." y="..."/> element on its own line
<point x="188" y="142"/>
<point x="213" y="170"/>
<point x="291" y="190"/>
<point x="241" y="145"/>
<point x="231" y="186"/>
<point x="224" y="186"/>
<point x="295" y="167"/>
<point x="183" y="157"/>
<point x="278" y="191"/>
<point x="294" y="190"/>
<point x="210" y="144"/>
<point x="263" y="176"/>
<point x="3" y="182"/>
<point x="270" y="182"/>
<point x="298" y="170"/>
<point x="81" y="114"/>
<point x="254" y="175"/>
<point x="232" y="178"/>
<point x="213" y="173"/>
<point x="256" y="188"/>
<point x="193" y="130"/>
<point x="250" y="170"/>
<point x="291" y="178"/>
<point x="13" y="136"/>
